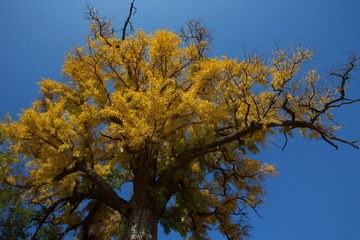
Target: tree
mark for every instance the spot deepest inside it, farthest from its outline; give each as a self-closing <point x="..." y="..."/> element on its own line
<point x="14" y="216"/>
<point x="156" y="111"/>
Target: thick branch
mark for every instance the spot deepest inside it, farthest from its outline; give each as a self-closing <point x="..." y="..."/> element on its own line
<point x="114" y="200"/>
<point x="66" y="172"/>
<point x="87" y="221"/>
<point x="187" y="157"/>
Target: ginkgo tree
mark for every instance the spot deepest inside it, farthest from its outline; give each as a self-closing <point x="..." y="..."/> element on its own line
<point x="154" y="110"/>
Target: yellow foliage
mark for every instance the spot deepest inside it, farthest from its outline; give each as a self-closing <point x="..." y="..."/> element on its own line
<point x="196" y="167"/>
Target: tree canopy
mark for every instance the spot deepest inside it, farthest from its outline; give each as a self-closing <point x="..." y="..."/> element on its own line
<point x="156" y="111"/>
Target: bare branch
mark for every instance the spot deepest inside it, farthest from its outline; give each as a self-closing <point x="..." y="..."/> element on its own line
<point x="344" y="74"/>
<point x="127" y="22"/>
<point x="286" y="140"/>
<point x="197" y="34"/>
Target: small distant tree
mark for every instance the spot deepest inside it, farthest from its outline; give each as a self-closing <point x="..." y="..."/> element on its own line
<point x="156" y="111"/>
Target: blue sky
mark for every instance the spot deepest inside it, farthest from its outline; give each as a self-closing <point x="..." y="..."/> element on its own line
<point x="317" y="195"/>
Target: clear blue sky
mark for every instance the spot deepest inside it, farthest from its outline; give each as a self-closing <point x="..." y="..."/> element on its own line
<point x="317" y="195"/>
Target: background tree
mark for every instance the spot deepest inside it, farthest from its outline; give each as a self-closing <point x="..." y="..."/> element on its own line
<point x="14" y="216"/>
<point x="156" y="111"/>
<point x="17" y="217"/>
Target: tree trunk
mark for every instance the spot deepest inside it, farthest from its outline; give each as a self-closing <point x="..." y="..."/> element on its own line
<point x="141" y="223"/>
<point x="144" y="209"/>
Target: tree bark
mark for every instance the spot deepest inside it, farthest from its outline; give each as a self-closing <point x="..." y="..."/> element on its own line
<point x="144" y="210"/>
<point x="141" y="223"/>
